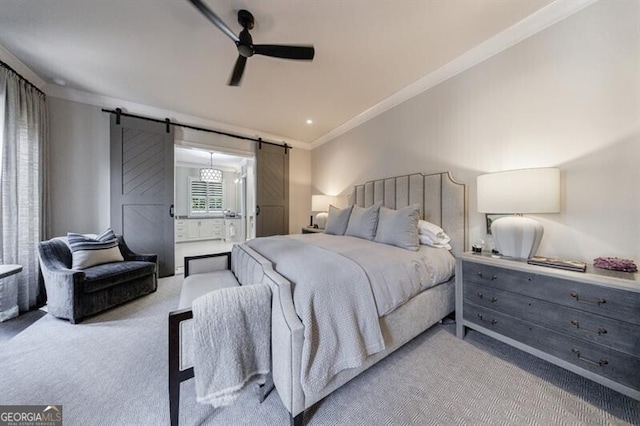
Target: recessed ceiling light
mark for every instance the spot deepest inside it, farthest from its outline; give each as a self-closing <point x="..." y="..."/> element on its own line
<point x="309" y="121"/>
<point x="59" y="82"/>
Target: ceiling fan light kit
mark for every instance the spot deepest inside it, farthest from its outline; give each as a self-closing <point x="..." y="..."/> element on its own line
<point x="244" y="42"/>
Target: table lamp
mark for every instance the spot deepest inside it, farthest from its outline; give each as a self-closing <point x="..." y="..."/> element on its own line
<point x="320" y="204"/>
<point x="517" y="192"/>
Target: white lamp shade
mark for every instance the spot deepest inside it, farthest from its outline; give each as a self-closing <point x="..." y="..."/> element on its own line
<point x="320" y="203"/>
<point x="520" y="191"/>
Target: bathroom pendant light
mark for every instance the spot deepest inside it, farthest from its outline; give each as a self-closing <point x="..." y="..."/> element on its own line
<point x="210" y="174"/>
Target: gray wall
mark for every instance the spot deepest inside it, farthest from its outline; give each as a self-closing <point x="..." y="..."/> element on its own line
<point x="79" y="168"/>
<point x="567" y="97"/>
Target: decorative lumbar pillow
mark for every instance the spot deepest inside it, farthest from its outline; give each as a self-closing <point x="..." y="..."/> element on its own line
<point x="89" y="251"/>
<point x="363" y="222"/>
<point x="338" y="220"/>
<point x="399" y="227"/>
<point x="432" y="235"/>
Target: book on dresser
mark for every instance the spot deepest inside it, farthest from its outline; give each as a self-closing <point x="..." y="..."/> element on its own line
<point x="553" y="262"/>
<point x="586" y="322"/>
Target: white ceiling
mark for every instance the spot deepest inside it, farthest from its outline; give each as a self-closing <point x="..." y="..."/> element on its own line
<point x="165" y="54"/>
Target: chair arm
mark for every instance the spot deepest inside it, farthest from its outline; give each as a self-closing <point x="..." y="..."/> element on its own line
<point x="63" y="286"/>
<point x="127" y="254"/>
<point x="206" y="263"/>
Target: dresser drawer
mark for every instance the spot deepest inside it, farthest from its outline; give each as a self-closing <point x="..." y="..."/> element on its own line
<point x="613" y="303"/>
<point x="615" y="334"/>
<point x="615" y="365"/>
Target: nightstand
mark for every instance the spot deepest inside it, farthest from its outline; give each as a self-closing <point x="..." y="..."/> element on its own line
<point x="310" y="230"/>
<point x="588" y="323"/>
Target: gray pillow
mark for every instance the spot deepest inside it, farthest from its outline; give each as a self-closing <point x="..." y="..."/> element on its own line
<point x="399" y="227"/>
<point x="363" y="222"/>
<point x="337" y="221"/>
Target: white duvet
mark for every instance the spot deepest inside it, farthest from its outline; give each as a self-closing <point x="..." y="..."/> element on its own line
<point x="395" y="274"/>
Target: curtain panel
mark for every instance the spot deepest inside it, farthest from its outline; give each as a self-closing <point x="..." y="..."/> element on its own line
<point x="23" y="194"/>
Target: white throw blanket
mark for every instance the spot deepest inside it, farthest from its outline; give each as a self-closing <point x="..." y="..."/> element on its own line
<point x="232" y="342"/>
<point x="333" y="298"/>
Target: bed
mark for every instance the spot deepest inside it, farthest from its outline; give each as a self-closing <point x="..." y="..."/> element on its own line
<point x="443" y="202"/>
<point x="297" y="371"/>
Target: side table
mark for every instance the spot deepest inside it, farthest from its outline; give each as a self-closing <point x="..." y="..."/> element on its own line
<point x="9" y="293"/>
<point x="8" y="270"/>
<point x="310" y="230"/>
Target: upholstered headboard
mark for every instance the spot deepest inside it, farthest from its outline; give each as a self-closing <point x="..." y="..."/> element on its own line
<point x="443" y="201"/>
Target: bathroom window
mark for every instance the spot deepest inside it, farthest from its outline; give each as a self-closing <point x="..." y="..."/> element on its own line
<point x="205" y="197"/>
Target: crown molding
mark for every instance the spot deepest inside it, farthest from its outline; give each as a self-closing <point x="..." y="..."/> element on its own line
<point x="146" y="110"/>
<point x="21" y="68"/>
<point x="534" y="23"/>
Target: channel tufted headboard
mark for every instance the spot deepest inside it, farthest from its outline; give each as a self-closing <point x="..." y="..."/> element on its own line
<point x="443" y="201"/>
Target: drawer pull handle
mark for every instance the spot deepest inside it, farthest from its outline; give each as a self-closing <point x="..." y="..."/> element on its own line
<point x="600" y="363"/>
<point x="492" y="278"/>
<point x="492" y="322"/>
<point x="481" y="296"/>
<point x="598" y="301"/>
<point x="600" y="331"/>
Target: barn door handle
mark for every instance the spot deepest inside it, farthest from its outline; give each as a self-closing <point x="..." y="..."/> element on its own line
<point x="171" y="210"/>
<point x="257" y="210"/>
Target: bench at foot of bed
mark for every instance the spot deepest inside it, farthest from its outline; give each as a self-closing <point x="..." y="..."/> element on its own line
<point x="202" y="274"/>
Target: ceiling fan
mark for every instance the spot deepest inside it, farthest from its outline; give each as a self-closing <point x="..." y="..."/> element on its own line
<point x="244" y="42"/>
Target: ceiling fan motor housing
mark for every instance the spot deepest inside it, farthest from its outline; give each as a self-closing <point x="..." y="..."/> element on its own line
<point x="245" y="45"/>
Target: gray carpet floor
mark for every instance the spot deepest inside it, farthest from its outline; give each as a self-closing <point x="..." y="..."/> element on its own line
<point x="112" y="370"/>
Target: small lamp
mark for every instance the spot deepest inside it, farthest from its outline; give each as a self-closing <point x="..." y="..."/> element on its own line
<point x="320" y="203"/>
<point x="518" y="192"/>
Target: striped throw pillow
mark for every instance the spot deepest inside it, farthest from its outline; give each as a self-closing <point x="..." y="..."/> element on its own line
<point x="89" y="251"/>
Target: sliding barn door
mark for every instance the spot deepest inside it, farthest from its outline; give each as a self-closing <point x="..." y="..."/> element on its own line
<point x="142" y="188"/>
<point x="272" y="176"/>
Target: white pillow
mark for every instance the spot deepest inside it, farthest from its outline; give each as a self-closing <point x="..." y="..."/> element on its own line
<point x="433" y="231"/>
<point x="426" y="240"/>
<point x="399" y="227"/>
<point x="87" y="251"/>
<point x="432" y="235"/>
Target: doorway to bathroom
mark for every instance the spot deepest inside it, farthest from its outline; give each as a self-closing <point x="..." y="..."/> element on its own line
<point x="214" y="200"/>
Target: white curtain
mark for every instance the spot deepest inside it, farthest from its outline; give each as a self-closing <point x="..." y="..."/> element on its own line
<point x="23" y="183"/>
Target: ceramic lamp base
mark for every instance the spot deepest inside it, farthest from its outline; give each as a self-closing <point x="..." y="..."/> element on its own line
<point x="321" y="220"/>
<point x="517" y="236"/>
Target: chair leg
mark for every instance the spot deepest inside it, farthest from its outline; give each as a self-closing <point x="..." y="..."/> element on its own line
<point x="174" y="401"/>
<point x="176" y="376"/>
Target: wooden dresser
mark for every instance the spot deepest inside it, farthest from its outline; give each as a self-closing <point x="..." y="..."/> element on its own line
<point x="588" y="323"/>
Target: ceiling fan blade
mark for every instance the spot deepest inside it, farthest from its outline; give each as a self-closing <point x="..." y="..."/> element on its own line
<point x="286" y="52"/>
<point x="238" y="70"/>
<point x="215" y="19"/>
